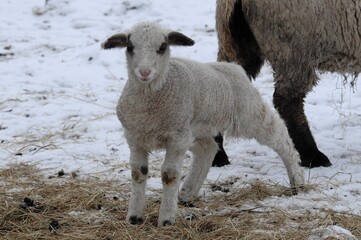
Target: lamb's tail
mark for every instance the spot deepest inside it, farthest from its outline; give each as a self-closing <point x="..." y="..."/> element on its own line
<point x="236" y="42"/>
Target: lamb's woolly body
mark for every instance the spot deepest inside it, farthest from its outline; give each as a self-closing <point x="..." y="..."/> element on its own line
<point x="297" y="38"/>
<point x="204" y="98"/>
<point x="182" y="107"/>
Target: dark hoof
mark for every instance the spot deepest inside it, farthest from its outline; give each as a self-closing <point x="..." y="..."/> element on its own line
<point x="167" y="223"/>
<point x="315" y="159"/>
<point x="295" y="190"/>
<point x="187" y="204"/>
<point x="221" y="159"/>
<point x="134" y="220"/>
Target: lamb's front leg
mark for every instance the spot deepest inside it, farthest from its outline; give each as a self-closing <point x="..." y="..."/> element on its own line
<point x="171" y="172"/>
<point x="139" y="168"/>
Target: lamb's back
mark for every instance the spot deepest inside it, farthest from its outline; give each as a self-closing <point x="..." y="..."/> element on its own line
<point x="221" y="92"/>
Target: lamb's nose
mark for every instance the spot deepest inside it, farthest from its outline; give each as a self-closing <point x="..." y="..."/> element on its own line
<point x="144" y="72"/>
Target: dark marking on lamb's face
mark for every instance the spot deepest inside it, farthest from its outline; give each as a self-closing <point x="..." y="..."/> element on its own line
<point x="130" y="46"/>
<point x="163" y="47"/>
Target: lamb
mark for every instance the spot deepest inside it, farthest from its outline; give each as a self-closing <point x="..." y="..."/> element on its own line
<point x="297" y="38"/>
<point x="178" y="105"/>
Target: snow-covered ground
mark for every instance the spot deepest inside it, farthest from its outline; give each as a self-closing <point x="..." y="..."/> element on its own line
<point x="58" y="91"/>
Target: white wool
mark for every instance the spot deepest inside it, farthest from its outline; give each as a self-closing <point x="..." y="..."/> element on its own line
<point x="181" y="106"/>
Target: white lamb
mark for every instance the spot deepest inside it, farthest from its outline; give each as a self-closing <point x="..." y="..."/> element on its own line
<point x="178" y="105"/>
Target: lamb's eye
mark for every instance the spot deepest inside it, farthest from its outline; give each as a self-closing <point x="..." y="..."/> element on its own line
<point x="130" y="49"/>
<point x="162" y="48"/>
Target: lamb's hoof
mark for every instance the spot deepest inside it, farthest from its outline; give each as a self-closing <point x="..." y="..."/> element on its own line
<point x="167" y="223"/>
<point x="134" y="220"/>
<point x="295" y="190"/>
<point x="221" y="159"/>
<point x="187" y="204"/>
<point x="315" y="159"/>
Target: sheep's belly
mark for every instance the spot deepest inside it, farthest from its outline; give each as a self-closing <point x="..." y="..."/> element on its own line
<point x="340" y="63"/>
<point x="150" y="141"/>
<point x="203" y="129"/>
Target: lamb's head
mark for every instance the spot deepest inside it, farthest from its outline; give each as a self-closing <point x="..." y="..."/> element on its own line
<point x="147" y="49"/>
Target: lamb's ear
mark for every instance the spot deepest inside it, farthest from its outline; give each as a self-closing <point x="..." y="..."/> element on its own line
<point x="116" y="41"/>
<point x="179" y="39"/>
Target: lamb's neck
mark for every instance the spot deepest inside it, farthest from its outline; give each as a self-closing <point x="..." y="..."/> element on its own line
<point x="146" y="88"/>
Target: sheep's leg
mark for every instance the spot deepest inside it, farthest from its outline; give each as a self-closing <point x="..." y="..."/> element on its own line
<point x="221" y="158"/>
<point x="288" y="100"/>
<point x="139" y="168"/>
<point x="269" y="129"/>
<point x="203" y="152"/>
<point x="171" y="172"/>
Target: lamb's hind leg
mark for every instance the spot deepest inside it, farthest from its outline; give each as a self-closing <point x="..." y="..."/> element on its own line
<point x="269" y="129"/>
<point x="288" y="99"/>
<point x="203" y="153"/>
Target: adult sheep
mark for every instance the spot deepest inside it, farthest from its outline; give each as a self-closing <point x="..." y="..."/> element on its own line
<point x="297" y="38"/>
<point x="178" y="105"/>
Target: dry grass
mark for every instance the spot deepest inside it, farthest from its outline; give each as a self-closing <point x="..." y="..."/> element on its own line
<point x="66" y="207"/>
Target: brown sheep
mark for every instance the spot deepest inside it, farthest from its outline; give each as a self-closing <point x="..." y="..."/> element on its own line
<point x="297" y="38"/>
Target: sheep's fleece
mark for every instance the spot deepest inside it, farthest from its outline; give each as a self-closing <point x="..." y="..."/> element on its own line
<point x="178" y="105"/>
<point x="297" y="38"/>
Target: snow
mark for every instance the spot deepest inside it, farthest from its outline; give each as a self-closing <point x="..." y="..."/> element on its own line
<point x="59" y="91"/>
<point x="331" y="232"/>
